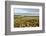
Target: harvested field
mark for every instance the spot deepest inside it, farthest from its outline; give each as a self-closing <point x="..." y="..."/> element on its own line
<point x="26" y="21"/>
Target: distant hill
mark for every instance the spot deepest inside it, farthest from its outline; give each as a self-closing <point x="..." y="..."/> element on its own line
<point x="27" y="14"/>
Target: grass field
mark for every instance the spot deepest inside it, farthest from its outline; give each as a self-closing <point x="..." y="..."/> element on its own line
<point x="26" y="21"/>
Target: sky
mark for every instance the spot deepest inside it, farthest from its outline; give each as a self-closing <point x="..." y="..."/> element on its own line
<point x="25" y="11"/>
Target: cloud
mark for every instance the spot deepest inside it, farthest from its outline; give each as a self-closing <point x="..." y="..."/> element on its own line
<point x="25" y="12"/>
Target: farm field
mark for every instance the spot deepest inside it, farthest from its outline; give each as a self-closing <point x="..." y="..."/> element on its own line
<point x="26" y="21"/>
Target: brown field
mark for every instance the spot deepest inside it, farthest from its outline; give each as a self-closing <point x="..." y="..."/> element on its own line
<point x="26" y="21"/>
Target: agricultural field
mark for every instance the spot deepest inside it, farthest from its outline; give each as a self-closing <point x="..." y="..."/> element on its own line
<point x="26" y="21"/>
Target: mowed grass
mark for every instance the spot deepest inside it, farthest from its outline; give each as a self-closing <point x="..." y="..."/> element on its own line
<point x="26" y="21"/>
